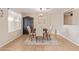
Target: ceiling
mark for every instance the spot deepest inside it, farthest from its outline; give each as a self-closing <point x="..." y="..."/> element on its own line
<point x="37" y="10"/>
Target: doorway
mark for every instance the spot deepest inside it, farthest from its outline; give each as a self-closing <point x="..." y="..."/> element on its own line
<point x="27" y="21"/>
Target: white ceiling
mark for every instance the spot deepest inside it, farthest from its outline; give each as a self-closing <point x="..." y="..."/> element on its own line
<point x="36" y="10"/>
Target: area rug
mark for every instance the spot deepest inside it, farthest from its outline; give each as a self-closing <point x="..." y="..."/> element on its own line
<point x="41" y="41"/>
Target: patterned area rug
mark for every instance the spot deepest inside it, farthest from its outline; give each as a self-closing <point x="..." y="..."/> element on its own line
<point x="41" y="41"/>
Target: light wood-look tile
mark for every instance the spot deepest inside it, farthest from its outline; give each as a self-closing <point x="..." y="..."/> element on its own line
<point x="18" y="45"/>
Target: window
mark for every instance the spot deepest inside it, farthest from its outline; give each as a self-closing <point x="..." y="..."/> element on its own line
<point x="14" y="21"/>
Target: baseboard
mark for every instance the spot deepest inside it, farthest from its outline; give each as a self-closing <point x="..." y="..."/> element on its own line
<point x="5" y="43"/>
<point x="69" y="39"/>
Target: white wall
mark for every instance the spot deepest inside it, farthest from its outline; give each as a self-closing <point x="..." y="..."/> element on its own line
<point x="75" y="20"/>
<point x="57" y="20"/>
<point x="6" y="37"/>
<point x="71" y="32"/>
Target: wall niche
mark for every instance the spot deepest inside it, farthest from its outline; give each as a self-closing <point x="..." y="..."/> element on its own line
<point x="71" y="17"/>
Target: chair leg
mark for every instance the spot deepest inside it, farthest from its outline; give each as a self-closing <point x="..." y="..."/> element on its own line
<point x="29" y="37"/>
<point x="47" y="36"/>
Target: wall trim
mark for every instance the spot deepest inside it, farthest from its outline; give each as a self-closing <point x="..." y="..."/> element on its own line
<point x="69" y="39"/>
<point x="7" y="42"/>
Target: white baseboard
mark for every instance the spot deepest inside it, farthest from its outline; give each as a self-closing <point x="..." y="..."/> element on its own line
<point x="69" y="39"/>
<point x="6" y="42"/>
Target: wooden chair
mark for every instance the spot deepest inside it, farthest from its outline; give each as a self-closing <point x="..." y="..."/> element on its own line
<point x="46" y="35"/>
<point x="33" y="34"/>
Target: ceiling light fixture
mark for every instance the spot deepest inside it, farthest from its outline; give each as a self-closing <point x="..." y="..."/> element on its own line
<point x="41" y="11"/>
